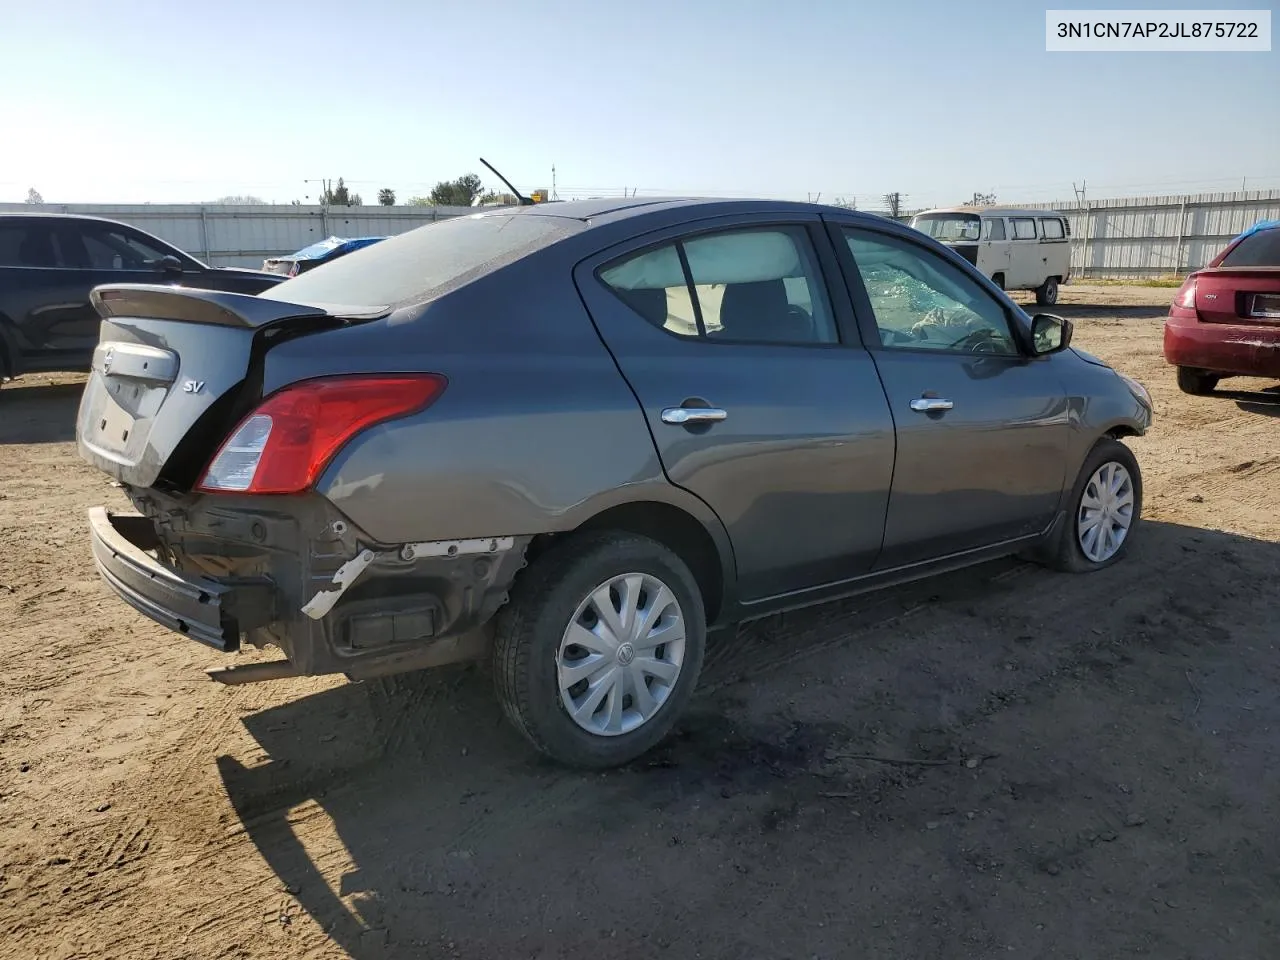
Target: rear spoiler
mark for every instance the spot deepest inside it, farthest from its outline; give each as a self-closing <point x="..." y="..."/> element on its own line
<point x="153" y="301"/>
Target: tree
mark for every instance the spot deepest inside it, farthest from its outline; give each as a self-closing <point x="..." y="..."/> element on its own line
<point x="456" y="193"/>
<point x="339" y="196"/>
<point x="387" y="197"/>
<point x="241" y="200"/>
<point x="33" y="196"/>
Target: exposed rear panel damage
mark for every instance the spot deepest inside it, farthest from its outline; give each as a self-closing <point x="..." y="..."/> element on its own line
<point x="295" y="573"/>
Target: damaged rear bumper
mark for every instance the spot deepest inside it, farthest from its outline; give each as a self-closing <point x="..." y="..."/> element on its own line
<point x="301" y="578"/>
<point x="200" y="608"/>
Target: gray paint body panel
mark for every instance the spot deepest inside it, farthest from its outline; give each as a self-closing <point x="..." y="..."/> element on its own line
<point x="819" y="483"/>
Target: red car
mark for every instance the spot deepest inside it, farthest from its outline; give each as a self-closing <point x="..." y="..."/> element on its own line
<point x="1225" y="319"/>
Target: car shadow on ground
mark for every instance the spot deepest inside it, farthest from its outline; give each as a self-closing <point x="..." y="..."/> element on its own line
<point x="1015" y="715"/>
<point x="39" y="412"/>
<point x="1265" y="401"/>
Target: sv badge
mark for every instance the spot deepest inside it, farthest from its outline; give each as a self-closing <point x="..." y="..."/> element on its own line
<point x="192" y="386"/>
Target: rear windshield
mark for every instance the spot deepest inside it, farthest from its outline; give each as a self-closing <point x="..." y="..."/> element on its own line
<point x="948" y="226"/>
<point x="423" y="263"/>
<point x="1261" y="249"/>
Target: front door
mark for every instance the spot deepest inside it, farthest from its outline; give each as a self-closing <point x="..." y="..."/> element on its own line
<point x="94" y="253"/>
<point x="759" y="396"/>
<point x="1026" y="267"/>
<point x="982" y="427"/>
<point x="993" y="251"/>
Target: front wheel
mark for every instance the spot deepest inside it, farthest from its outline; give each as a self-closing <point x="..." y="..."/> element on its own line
<point x="1047" y="292"/>
<point x="1104" y="511"/>
<point x="599" y="650"/>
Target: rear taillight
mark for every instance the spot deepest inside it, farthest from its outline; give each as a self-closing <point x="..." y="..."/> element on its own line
<point x="1185" y="298"/>
<point x="287" y="441"/>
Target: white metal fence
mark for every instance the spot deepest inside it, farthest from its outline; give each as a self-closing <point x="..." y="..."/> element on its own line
<point x="245" y="235"/>
<point x="1127" y="237"/>
<point x="1159" y="236"/>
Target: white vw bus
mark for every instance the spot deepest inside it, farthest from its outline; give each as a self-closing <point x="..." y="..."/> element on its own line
<point x="1017" y="249"/>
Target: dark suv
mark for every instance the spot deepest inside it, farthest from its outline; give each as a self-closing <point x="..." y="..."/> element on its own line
<point x="49" y="263"/>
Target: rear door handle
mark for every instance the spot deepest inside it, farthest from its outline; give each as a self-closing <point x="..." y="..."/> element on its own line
<point x="682" y="416"/>
<point x="930" y="404"/>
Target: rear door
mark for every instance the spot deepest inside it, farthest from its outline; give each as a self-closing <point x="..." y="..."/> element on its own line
<point x="982" y="429"/>
<point x="758" y="394"/>
<point x="35" y="294"/>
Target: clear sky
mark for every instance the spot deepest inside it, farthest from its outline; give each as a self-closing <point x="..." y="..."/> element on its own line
<point x="170" y="101"/>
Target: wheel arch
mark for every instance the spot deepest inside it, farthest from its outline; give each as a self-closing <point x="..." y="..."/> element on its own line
<point x="695" y="535"/>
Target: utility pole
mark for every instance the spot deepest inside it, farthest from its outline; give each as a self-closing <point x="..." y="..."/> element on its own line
<point x="554" y="195"/>
<point x="1082" y="241"/>
<point x="893" y="203"/>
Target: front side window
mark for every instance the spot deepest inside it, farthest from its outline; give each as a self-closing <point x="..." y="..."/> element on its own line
<point x="1051" y="228"/>
<point x="921" y="302"/>
<point x="1024" y="228"/>
<point x="759" y="285"/>
<point x="993" y="229"/>
<point x="948" y="226"/>
<point x="111" y="249"/>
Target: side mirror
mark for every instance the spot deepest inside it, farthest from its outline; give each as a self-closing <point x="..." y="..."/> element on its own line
<point x="1049" y="334"/>
<point x="168" y="264"/>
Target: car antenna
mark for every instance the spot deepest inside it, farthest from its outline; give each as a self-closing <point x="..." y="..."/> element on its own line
<point x="523" y="200"/>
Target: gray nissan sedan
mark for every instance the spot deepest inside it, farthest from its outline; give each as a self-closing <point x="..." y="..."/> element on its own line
<point x="575" y="437"/>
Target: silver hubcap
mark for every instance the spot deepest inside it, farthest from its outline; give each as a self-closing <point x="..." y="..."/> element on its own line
<point x="621" y="655"/>
<point x="1106" y="512"/>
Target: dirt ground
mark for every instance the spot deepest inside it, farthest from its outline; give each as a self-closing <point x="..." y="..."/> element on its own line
<point x="1068" y="766"/>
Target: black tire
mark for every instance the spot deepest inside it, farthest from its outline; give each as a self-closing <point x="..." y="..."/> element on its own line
<point x="1196" y="382"/>
<point x="998" y="280"/>
<point x="1066" y="553"/>
<point x="528" y="631"/>
<point x="1047" y="292"/>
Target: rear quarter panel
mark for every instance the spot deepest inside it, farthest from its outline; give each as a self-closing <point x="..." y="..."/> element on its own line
<point x="536" y="432"/>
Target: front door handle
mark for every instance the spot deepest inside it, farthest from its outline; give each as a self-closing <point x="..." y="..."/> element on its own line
<point x="683" y="416"/>
<point x="930" y="405"/>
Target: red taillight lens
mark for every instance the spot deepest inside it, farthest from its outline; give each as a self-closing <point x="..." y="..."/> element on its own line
<point x="1185" y="298"/>
<point x="285" y="444"/>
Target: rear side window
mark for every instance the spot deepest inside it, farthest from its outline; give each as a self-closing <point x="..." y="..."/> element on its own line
<point x="26" y="245"/>
<point x="758" y="285"/>
<point x="1024" y="228"/>
<point x="1261" y="249"/>
<point x="993" y="229"/>
<point x="1051" y="228"/>
<point x="426" y="262"/>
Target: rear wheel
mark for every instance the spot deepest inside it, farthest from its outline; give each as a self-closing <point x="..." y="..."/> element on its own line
<point x="599" y="650"/>
<point x="1047" y="292"/>
<point x="1103" y="513"/>
<point x="1198" y="382"/>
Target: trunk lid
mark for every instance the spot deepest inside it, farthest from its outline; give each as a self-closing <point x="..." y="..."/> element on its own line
<point x="173" y="369"/>
<point x="1241" y="295"/>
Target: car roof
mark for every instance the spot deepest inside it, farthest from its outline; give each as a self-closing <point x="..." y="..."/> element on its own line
<point x="613" y="209"/>
<point x="41" y="215"/>
<point x="992" y="210"/>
